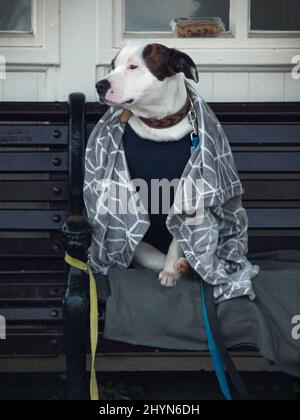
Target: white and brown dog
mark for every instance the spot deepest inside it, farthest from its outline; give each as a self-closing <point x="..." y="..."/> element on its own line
<point x="149" y="81"/>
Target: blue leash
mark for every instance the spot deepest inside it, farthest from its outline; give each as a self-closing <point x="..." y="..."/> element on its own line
<point x="217" y="361"/>
<point x="223" y="359"/>
<point x="216" y="358"/>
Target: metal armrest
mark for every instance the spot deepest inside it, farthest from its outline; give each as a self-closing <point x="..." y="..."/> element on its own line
<point x="76" y="237"/>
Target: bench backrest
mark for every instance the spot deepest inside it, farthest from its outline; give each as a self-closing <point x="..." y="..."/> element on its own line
<point x="36" y="160"/>
<point x="41" y="145"/>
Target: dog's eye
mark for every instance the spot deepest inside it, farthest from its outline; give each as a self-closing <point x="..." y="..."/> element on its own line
<point x="133" y="67"/>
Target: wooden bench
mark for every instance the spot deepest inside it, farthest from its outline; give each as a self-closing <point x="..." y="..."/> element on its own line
<point x="41" y="155"/>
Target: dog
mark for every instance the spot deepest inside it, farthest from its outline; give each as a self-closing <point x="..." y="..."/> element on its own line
<point x="149" y="80"/>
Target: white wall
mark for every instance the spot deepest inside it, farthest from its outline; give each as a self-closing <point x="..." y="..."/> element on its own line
<point x="74" y="41"/>
<point x="256" y="86"/>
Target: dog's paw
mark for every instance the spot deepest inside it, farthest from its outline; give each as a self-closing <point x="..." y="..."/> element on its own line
<point x="167" y="278"/>
<point x="182" y="266"/>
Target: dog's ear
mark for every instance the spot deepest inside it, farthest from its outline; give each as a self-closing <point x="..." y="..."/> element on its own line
<point x="180" y="62"/>
<point x="165" y="62"/>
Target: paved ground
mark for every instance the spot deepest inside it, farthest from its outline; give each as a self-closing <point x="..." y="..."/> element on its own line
<point x="149" y="386"/>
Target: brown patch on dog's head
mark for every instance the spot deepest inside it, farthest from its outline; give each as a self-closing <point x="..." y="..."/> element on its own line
<point x="165" y="62"/>
<point x="113" y="63"/>
<point x="157" y="59"/>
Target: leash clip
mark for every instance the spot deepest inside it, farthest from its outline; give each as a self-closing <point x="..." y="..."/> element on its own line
<point x="193" y="120"/>
<point x="88" y="268"/>
<point x="195" y="141"/>
<point x="192" y="117"/>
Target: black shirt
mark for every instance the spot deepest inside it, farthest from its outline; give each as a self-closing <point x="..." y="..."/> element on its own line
<point x="148" y="160"/>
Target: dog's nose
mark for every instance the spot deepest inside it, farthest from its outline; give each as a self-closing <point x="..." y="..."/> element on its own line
<point x="102" y="87"/>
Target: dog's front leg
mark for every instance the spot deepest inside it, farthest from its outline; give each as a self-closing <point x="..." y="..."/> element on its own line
<point x="175" y="266"/>
<point x="146" y="256"/>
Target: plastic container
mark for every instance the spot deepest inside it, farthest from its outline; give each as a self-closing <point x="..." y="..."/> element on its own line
<point x="197" y="27"/>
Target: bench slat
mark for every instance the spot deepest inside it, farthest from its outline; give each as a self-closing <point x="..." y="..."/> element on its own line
<point x="33" y="191"/>
<point x="34" y="111"/>
<point x="48" y="340"/>
<point x="261" y="134"/>
<point x="54" y="265"/>
<point x="233" y="112"/>
<point x="33" y="135"/>
<point x="43" y="220"/>
<point x="271" y="112"/>
<point x="274" y="218"/>
<point x="31" y="247"/>
<point x="25" y="293"/>
<point x="272" y="190"/>
<point x="267" y="161"/>
<point x="33" y="162"/>
<point x="54" y="162"/>
<point x="32" y="314"/>
<point x="35" y="277"/>
<point x="267" y="243"/>
<point x="31" y="220"/>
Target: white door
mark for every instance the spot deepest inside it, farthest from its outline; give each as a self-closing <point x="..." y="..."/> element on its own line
<point x="50" y="48"/>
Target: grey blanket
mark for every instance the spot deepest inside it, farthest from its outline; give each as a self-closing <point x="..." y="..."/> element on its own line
<point x="142" y="312"/>
<point x="207" y="219"/>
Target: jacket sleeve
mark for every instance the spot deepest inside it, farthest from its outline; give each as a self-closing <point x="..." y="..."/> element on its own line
<point x="217" y="245"/>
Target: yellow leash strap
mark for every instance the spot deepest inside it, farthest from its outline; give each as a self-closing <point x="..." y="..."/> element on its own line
<point x="93" y="320"/>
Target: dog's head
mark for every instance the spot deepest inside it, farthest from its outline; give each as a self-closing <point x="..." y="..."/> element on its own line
<point x="141" y="71"/>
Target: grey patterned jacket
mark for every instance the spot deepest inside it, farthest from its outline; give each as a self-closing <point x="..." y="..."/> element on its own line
<point x="215" y="246"/>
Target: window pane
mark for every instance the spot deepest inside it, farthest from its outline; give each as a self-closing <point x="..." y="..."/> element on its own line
<point x="275" y="15"/>
<point x="15" y="15"/>
<point x="156" y="15"/>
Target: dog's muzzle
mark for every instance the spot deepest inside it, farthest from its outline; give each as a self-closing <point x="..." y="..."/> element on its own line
<point x="103" y="87"/>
